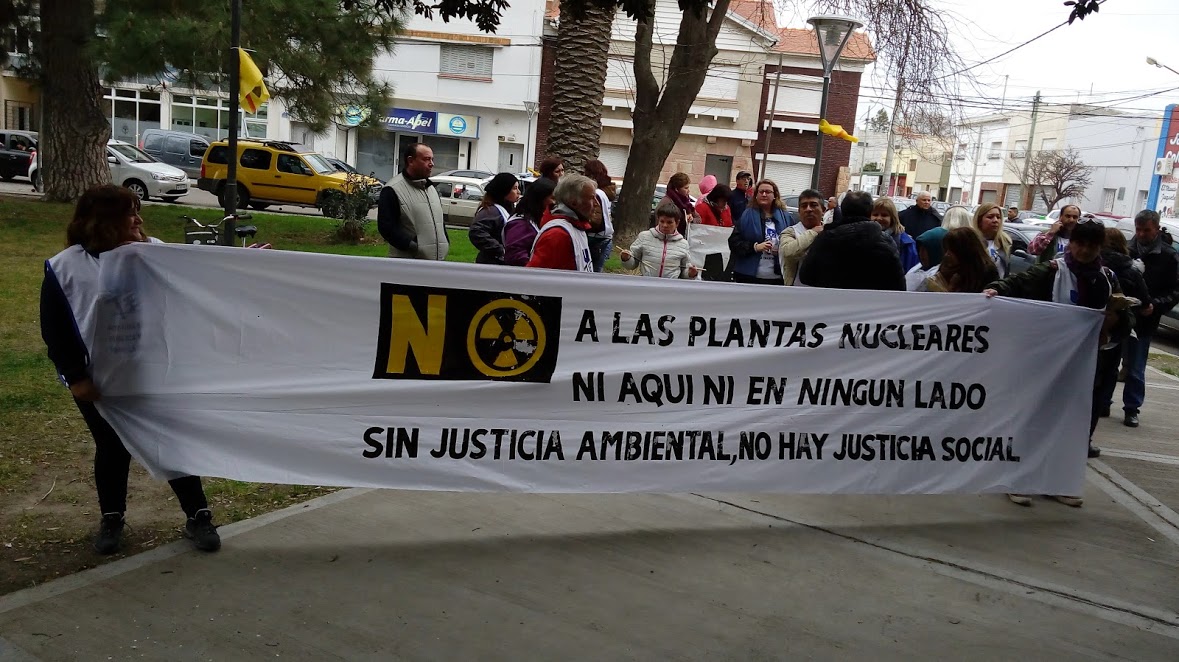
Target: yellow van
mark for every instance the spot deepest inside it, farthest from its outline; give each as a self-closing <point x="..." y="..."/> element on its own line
<point x="280" y="173"/>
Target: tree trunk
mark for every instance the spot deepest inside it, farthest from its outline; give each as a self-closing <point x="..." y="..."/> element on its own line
<point x="75" y="128"/>
<point x="658" y="117"/>
<point x="583" y="45"/>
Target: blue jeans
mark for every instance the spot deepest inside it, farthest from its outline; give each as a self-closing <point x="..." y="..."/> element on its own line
<point x="599" y="251"/>
<point x="1134" y="392"/>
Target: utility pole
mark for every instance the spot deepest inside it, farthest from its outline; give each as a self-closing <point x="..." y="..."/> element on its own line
<point x="974" y="196"/>
<point x="1003" y="103"/>
<point x="888" y="149"/>
<point x="1026" y="194"/>
<point x="229" y="200"/>
<point x="765" y="153"/>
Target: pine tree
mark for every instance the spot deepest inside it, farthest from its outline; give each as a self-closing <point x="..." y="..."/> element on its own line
<point x="317" y="54"/>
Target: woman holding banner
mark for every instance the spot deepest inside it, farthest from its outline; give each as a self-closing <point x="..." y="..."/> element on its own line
<point x="106" y="218"/>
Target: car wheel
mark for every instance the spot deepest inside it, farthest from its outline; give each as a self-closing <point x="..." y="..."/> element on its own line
<point x="259" y="206"/>
<point x="137" y="187"/>
<point x="37" y="181"/>
<point x="243" y="197"/>
<point x="332" y="204"/>
<point x="170" y="198"/>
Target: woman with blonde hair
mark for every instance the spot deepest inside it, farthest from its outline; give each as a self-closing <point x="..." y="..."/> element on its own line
<point x="884" y="212"/>
<point x="956" y="217"/>
<point x="988" y="220"/>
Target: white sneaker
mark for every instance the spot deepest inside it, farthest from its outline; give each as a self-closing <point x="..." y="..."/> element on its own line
<point x="1075" y="502"/>
<point x="1020" y="499"/>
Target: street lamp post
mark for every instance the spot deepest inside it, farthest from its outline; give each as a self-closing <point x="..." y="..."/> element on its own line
<point x="1153" y="62"/>
<point x="531" y="107"/>
<point x="833" y="33"/>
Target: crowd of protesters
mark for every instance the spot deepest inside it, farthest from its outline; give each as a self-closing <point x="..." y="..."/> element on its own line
<point x="856" y="243"/>
<point x="564" y="221"/>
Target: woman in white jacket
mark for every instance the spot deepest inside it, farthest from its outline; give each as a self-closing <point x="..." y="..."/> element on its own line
<point x="661" y="251"/>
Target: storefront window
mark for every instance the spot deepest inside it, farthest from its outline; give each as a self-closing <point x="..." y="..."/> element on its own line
<point x="131" y="112"/>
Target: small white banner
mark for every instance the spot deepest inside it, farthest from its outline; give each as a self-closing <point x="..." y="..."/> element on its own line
<point x="287" y="367"/>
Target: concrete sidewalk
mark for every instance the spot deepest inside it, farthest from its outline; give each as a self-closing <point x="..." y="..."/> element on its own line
<point x="366" y="574"/>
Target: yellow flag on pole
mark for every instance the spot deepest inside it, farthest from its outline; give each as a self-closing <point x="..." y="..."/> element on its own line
<point x="836" y="131"/>
<point x="253" y="88"/>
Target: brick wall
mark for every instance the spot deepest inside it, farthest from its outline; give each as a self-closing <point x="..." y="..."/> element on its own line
<point x="548" y="65"/>
<point x="843" y="96"/>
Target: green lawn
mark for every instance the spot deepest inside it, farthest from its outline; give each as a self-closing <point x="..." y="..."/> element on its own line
<point x="47" y="502"/>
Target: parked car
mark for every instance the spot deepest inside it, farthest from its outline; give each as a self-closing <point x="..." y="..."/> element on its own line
<point x="1021" y="237"/>
<point x="18" y="151"/>
<point x="902" y="203"/>
<point x="460" y="197"/>
<point x="469" y="174"/>
<point x="941" y="207"/>
<point x="137" y="170"/>
<point x="181" y="149"/>
<point x="144" y="175"/>
<point x="282" y="173"/>
<point x="341" y="166"/>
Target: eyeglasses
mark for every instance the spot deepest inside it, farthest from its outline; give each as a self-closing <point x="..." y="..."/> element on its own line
<point x="765" y="192"/>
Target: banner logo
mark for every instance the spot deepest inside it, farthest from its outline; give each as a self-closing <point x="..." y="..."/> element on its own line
<point x="442" y="333"/>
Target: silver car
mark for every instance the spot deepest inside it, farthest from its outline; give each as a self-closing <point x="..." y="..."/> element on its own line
<point x="460" y="198"/>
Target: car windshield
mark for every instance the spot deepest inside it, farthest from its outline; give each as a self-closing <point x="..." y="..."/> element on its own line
<point x="318" y="163"/>
<point x="131" y="153"/>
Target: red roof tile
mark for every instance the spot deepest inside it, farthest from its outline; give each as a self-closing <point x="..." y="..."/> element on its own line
<point x="802" y="41"/>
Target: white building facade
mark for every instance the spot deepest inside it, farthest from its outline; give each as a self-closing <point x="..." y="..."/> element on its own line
<point x="461" y="91"/>
<point x="979" y="161"/>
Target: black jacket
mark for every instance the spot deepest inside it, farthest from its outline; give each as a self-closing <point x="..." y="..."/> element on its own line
<point x="1131" y="281"/>
<point x="853" y="254"/>
<point x="389" y="222"/>
<point x="486" y="234"/>
<point x="917" y="220"/>
<point x="1162" y="278"/>
<point x="738" y="200"/>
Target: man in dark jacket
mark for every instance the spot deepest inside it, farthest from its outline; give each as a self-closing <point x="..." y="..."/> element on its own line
<point x="921" y="216"/>
<point x="1153" y="247"/>
<point x="739" y="198"/>
<point x="853" y="253"/>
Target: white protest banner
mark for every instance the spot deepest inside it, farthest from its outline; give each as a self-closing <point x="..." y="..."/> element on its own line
<point x="287" y="367"/>
<point x="705" y="240"/>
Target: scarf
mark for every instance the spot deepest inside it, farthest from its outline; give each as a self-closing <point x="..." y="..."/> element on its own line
<point x="1150" y="247"/>
<point x="1093" y="288"/>
<point x="681" y="201"/>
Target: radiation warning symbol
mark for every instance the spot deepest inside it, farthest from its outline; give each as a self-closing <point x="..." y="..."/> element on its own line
<point x="506" y="338"/>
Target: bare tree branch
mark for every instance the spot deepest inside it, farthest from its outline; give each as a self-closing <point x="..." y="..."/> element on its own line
<point x="1054" y="175"/>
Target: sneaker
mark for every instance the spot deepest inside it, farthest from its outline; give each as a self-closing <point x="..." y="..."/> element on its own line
<point x="1075" y="502"/>
<point x="1094" y="451"/>
<point x="202" y="532"/>
<point x="1020" y="499"/>
<point x="1131" y="420"/>
<point x="109" y="533"/>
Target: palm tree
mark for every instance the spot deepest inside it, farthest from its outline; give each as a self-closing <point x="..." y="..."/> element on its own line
<point x="583" y="45"/>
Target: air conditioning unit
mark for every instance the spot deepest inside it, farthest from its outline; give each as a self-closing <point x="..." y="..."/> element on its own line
<point x="1164" y="166"/>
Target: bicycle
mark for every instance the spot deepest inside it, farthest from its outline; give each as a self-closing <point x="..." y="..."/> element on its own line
<point x="209" y="234"/>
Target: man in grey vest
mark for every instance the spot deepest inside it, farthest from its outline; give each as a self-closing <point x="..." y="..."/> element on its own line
<point x="409" y="213"/>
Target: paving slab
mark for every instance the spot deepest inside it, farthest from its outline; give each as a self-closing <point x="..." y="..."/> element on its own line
<point x="445" y="576"/>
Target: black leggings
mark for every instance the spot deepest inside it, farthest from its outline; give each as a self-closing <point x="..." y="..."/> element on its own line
<point x="112" y="463"/>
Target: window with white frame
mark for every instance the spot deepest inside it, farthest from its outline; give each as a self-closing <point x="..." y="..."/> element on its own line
<point x="996" y="151"/>
<point x="797" y="95"/>
<point x="465" y="61"/>
<point x="1048" y="144"/>
<point x="619" y="74"/>
<point x="721" y="82"/>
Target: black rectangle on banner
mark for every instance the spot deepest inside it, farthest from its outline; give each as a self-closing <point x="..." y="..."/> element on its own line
<point x="446" y="333"/>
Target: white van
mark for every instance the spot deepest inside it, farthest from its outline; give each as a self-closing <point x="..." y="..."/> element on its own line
<point x="137" y="170"/>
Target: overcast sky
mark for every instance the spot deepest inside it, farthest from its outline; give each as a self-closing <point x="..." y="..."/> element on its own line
<point x="1106" y="53"/>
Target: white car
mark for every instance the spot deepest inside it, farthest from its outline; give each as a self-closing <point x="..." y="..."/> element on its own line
<point x="137" y="170"/>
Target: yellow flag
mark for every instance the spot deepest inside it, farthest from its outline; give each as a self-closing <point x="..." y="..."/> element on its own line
<point x="837" y="131"/>
<point x="253" y="88"/>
